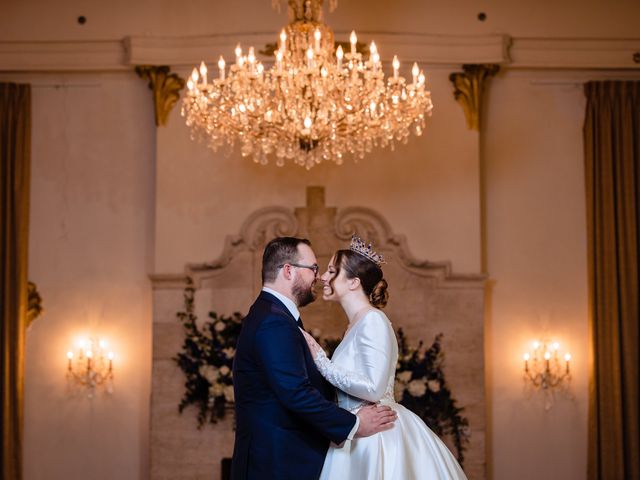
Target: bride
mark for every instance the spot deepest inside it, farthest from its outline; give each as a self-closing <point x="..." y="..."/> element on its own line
<point x="363" y="370"/>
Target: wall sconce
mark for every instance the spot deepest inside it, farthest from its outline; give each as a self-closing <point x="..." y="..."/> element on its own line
<point x="544" y="371"/>
<point x="91" y="366"/>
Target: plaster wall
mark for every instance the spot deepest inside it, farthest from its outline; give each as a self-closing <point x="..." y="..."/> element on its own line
<point x="537" y="261"/>
<point x="90" y="252"/>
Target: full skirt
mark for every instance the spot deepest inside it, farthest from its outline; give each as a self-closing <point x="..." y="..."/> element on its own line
<point x="409" y="450"/>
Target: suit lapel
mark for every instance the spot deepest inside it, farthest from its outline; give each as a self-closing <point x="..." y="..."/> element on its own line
<point x="276" y="305"/>
<point x="315" y="377"/>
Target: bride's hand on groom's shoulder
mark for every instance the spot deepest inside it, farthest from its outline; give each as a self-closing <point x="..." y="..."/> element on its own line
<point x="313" y="345"/>
<point x="374" y="419"/>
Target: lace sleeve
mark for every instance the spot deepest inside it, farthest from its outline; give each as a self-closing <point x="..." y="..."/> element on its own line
<point x="370" y="381"/>
<point x="342" y="378"/>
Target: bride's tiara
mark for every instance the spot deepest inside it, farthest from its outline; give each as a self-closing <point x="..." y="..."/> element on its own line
<point x="361" y="248"/>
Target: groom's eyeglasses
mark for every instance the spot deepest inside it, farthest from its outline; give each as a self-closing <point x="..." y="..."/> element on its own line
<point x="315" y="268"/>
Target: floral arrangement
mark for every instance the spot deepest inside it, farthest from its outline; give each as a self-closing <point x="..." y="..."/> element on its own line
<point x="207" y="357"/>
<point x="206" y="360"/>
<point x="421" y="387"/>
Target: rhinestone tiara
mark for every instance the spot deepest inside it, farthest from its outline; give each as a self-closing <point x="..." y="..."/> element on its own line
<point x="366" y="250"/>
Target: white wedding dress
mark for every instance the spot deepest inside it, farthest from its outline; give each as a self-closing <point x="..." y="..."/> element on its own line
<point x="363" y="369"/>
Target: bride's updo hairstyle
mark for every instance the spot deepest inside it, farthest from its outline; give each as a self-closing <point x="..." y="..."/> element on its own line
<point x="370" y="275"/>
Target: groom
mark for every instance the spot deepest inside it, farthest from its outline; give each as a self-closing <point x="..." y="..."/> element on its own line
<point x="285" y="410"/>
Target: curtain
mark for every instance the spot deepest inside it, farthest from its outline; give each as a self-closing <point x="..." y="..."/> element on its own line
<point x="15" y="134"/>
<point x="612" y="171"/>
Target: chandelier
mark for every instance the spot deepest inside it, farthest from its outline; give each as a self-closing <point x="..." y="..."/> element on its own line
<point x="90" y="367"/>
<point x="316" y="102"/>
<point x="544" y="371"/>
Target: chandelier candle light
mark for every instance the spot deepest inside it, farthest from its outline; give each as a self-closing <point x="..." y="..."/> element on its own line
<point x="317" y="102"/>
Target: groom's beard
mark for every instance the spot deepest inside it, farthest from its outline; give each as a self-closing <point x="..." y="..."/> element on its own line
<point x="304" y="294"/>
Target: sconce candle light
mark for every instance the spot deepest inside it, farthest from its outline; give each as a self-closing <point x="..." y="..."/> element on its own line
<point x="91" y="366"/>
<point x="544" y="370"/>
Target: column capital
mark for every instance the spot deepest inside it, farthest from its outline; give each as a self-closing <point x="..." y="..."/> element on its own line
<point x="165" y="86"/>
<point x="469" y="88"/>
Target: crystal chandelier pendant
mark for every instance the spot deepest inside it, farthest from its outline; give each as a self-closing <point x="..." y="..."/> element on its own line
<point x="315" y="103"/>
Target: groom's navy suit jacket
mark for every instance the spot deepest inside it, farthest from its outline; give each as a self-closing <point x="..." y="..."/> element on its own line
<point x="285" y="413"/>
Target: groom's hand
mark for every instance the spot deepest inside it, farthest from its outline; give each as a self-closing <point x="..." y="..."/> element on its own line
<point x="374" y="419"/>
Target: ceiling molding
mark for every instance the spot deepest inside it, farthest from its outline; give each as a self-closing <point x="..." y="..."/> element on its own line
<point x="434" y="50"/>
<point x="62" y="56"/>
<point x="425" y="49"/>
<point x="574" y="53"/>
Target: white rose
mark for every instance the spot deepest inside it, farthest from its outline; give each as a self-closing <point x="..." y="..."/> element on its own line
<point x="417" y="388"/>
<point x="224" y="370"/>
<point x="219" y="326"/>
<point x="209" y="372"/>
<point x="434" y="385"/>
<point x="404" y="377"/>
<point x="228" y="393"/>
<point x="229" y="352"/>
<point x="216" y="390"/>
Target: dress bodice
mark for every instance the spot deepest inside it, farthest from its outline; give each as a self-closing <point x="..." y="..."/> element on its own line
<point x="363" y="365"/>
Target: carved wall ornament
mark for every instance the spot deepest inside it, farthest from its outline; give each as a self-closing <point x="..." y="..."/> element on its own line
<point x="469" y="89"/>
<point x="165" y="87"/>
<point x="34" y="303"/>
<point x="374" y="227"/>
<point x="270" y="222"/>
<point x="259" y="227"/>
